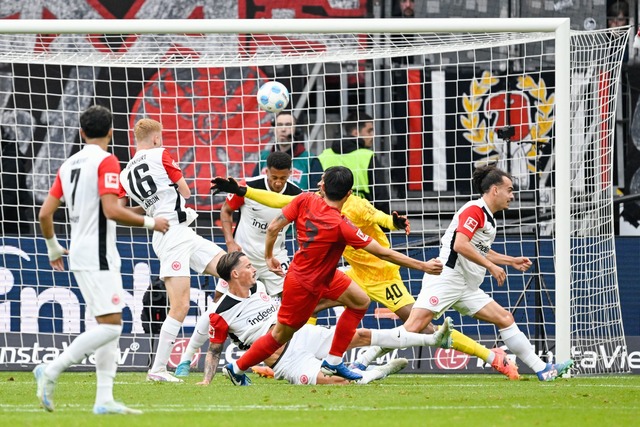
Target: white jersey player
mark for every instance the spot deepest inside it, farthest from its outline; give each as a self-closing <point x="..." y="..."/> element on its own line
<point x="247" y="312"/>
<point x="155" y="182"/>
<point x="88" y="184"/>
<point x="250" y="232"/>
<point x="466" y="253"/>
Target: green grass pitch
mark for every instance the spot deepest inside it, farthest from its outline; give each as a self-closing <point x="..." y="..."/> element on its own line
<point x="400" y="400"/>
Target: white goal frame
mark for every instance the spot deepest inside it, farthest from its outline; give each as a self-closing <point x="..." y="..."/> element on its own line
<point x="559" y="26"/>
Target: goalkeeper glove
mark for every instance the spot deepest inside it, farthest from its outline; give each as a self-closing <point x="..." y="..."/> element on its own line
<point x="229" y="185"/>
<point x="400" y="222"/>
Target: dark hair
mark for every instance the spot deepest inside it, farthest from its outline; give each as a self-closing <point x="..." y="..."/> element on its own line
<point x="356" y="120"/>
<point x="338" y="180"/>
<point x="618" y="8"/>
<point x="96" y="121"/>
<point x="227" y="263"/>
<point x="279" y="160"/>
<point x="486" y="176"/>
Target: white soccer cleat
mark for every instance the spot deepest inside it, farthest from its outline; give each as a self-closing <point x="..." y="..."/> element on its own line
<point x="44" y="387"/>
<point x="392" y="367"/>
<point x="162" y="376"/>
<point x="443" y="334"/>
<point x="114" y="408"/>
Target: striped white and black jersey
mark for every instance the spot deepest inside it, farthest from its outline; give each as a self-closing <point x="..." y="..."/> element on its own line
<point x="244" y="320"/>
<point x="475" y="220"/>
<point x="81" y="180"/>
<point x="251" y="230"/>
<point x="149" y="179"/>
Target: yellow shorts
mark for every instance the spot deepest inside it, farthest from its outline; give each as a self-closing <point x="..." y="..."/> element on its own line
<point x="390" y="291"/>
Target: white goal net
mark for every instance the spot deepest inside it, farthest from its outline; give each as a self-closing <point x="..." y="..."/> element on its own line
<point x="444" y="96"/>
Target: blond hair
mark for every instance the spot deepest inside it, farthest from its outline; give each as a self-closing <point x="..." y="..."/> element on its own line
<point x="145" y="128"/>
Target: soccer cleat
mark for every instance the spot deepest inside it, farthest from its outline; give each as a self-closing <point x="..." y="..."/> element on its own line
<point x="162" y="376"/>
<point x="340" y="370"/>
<point x="357" y="366"/>
<point x="503" y="364"/>
<point x="236" y="379"/>
<point x="554" y="370"/>
<point x="114" y="408"/>
<point x="183" y="368"/>
<point x="263" y="371"/>
<point x="394" y="366"/>
<point x="44" y="387"/>
<point x="443" y="334"/>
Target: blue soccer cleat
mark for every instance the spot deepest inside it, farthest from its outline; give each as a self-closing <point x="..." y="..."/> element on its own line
<point x="236" y="379"/>
<point x="340" y="370"/>
<point x="183" y="368"/>
<point x="554" y="370"/>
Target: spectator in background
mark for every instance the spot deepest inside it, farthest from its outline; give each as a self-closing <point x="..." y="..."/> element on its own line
<point x="15" y="197"/>
<point x="618" y="14"/>
<point x="289" y="140"/>
<point x="406" y="8"/>
<point x="355" y="152"/>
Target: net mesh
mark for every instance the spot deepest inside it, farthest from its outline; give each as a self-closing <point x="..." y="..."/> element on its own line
<point x="441" y="104"/>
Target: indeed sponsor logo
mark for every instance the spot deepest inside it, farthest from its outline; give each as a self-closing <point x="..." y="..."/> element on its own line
<point x="262" y="315"/>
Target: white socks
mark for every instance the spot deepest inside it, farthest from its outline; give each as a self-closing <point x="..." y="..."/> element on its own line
<point x="519" y="345"/>
<point x="198" y="338"/>
<point x="399" y="338"/>
<point x="83" y="346"/>
<point x="106" y="367"/>
<point x="168" y="334"/>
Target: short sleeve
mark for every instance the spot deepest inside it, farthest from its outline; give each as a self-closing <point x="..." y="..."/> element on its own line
<point x="109" y="176"/>
<point x="292" y="210"/>
<point x="471" y="219"/>
<point x="172" y="168"/>
<point x="56" y="188"/>
<point x="353" y="236"/>
<point x="218" y="329"/>
<point x="234" y="201"/>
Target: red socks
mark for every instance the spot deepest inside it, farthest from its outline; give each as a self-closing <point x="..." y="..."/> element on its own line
<point x="345" y="329"/>
<point x="264" y="347"/>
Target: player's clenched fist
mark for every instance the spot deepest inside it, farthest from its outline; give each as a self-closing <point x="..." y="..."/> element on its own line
<point x="433" y="266"/>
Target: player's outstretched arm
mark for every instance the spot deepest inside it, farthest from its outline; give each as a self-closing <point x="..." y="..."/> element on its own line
<point x="211" y="363"/>
<point x="264" y="197"/>
<point x="519" y="263"/>
<point x="433" y="266"/>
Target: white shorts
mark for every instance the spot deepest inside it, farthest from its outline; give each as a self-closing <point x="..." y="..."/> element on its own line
<point x="102" y="291"/>
<point x="302" y="357"/>
<point x="449" y="290"/>
<point x="272" y="282"/>
<point x="180" y="249"/>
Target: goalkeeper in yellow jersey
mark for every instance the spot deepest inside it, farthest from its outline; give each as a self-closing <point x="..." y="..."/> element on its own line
<point x="379" y="279"/>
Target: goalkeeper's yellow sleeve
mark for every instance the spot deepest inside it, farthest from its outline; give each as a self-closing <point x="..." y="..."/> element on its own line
<point x="360" y="211"/>
<point x="268" y="198"/>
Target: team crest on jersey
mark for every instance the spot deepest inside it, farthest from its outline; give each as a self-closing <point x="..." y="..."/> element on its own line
<point x="111" y="180"/>
<point x="471" y="224"/>
<point x="304" y="379"/>
<point x="264" y="296"/>
<point x="175" y="265"/>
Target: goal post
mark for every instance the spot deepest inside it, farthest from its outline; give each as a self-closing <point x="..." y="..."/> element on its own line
<point x="441" y="94"/>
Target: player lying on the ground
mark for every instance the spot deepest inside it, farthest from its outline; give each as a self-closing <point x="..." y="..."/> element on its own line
<point x="246" y="313"/>
<point x="378" y="278"/>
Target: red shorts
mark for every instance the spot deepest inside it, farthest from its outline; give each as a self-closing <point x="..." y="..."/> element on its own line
<point x="298" y="303"/>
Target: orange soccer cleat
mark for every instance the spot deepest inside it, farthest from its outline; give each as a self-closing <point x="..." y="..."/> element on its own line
<point x="504" y="365"/>
<point x="263" y="371"/>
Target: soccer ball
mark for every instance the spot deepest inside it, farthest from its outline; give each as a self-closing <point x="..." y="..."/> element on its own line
<point x="273" y="97"/>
